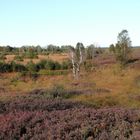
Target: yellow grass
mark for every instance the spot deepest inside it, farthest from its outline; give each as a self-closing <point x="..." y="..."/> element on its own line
<point x="121" y="84"/>
<point x="55" y="57"/>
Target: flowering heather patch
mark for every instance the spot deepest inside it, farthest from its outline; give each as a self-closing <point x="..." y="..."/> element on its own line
<point x="39" y="118"/>
<point x="36" y="104"/>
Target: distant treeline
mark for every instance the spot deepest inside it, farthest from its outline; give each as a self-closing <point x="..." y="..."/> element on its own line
<point x="40" y="50"/>
<point x="37" y="49"/>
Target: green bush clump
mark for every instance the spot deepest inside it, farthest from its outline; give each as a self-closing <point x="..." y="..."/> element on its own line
<point x="47" y="65"/>
<point x="31" y="67"/>
<point x="51" y="65"/>
<point x="5" y="67"/>
<point x="11" y="67"/>
<point x="30" y="55"/>
<point x="18" y="58"/>
<point x="66" y="65"/>
<point x="17" y="67"/>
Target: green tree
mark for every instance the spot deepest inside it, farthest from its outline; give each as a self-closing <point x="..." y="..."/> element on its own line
<point x="112" y="48"/>
<point x="90" y="52"/>
<point x="122" y="49"/>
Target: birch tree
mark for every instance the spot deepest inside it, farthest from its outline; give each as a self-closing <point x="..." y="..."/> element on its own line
<point x="77" y="56"/>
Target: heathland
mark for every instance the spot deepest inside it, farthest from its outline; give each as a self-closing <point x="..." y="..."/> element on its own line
<point x="41" y="99"/>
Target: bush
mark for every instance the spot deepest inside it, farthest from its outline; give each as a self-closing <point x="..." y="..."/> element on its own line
<point x="30" y="55"/>
<point x="18" y="58"/>
<point x="5" y="67"/>
<point x="17" y="67"/>
<point x="12" y="67"/>
<point x="57" y="66"/>
<point x="48" y="64"/>
<point x="31" y="67"/>
<point x="57" y="91"/>
<point x="66" y="65"/>
<point x="41" y="64"/>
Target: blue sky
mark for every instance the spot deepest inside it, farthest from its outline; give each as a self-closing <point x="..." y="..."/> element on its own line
<point x="60" y="22"/>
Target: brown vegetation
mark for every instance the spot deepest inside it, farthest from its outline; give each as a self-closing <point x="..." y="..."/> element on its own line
<point x="99" y="105"/>
<point x="55" y="57"/>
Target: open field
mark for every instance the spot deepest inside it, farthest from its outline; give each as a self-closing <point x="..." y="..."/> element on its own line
<point x="108" y="83"/>
<point x="103" y="104"/>
<point x="69" y="70"/>
<point x="55" y="57"/>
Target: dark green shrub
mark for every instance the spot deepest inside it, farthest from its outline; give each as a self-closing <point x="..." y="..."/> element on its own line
<point x="41" y="64"/>
<point x="17" y="67"/>
<point x="11" y="67"/>
<point x="31" y="67"/>
<point x="48" y="64"/>
<point x="32" y="70"/>
<point x="5" y="67"/>
<point x="66" y="65"/>
<point x="57" y="66"/>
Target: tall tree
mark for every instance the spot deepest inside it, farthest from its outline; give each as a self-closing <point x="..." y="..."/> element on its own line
<point x="90" y="52"/>
<point x="122" y="48"/>
<point x="77" y="56"/>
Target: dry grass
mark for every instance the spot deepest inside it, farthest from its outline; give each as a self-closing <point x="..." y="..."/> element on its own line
<point x="123" y="90"/>
<point x="121" y="84"/>
<point x="9" y="58"/>
<point x="56" y="57"/>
